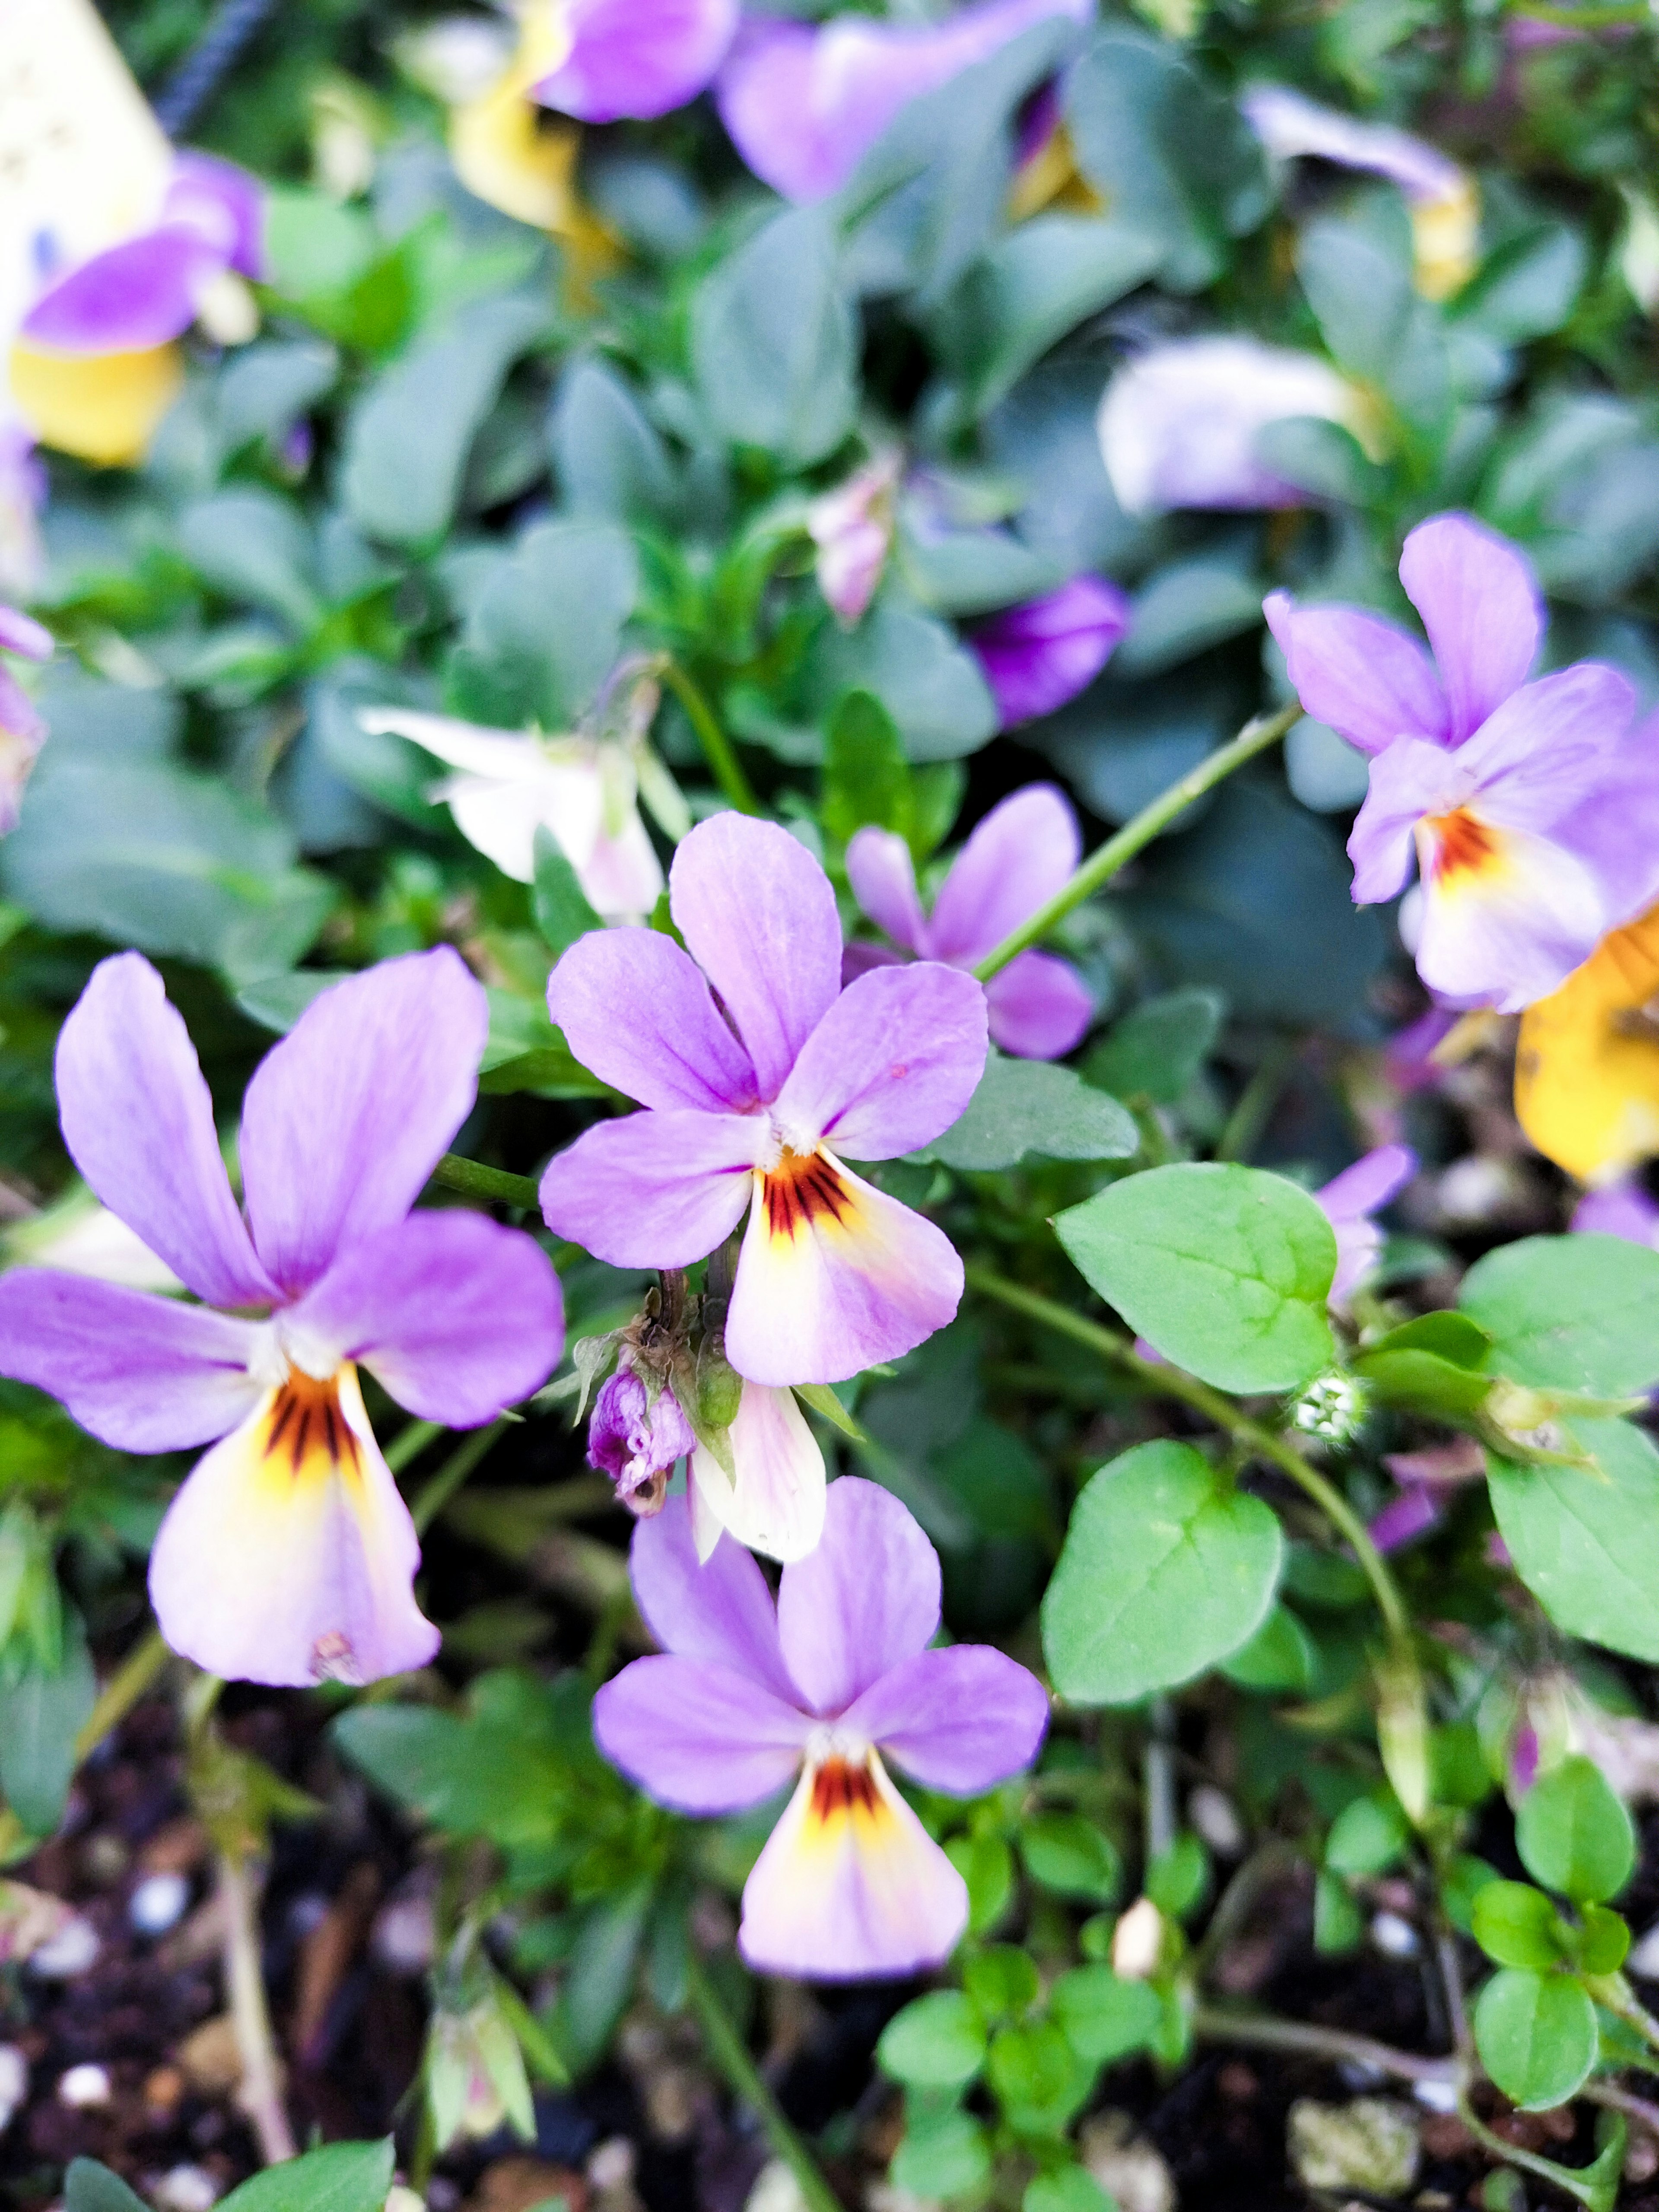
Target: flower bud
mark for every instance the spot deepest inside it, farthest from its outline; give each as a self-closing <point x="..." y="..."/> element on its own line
<point x="636" y="1436"/>
<point x="1332" y="1407"/>
<point x="1138" y="1942"/>
<point x="852" y="529"/>
<point x="475" y="2076"/>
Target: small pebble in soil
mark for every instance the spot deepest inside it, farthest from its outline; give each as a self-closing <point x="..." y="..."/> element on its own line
<point x="1393" y="1938"/>
<point x="14" y="2082"/>
<point x="1437" y="2096"/>
<point x="405" y="2200"/>
<point x="1215" y="1817"/>
<point x="186" y="2189"/>
<point x="441" y="2194"/>
<point x="68" y="1953"/>
<point x="158" y="1903"/>
<point x="83" y="2086"/>
<point x="403" y="1938"/>
<point x="611" y="2166"/>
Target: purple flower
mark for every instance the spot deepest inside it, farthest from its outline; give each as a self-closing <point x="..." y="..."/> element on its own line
<point x="852" y="528"/>
<point x="805" y="103"/>
<point x="637" y="58"/>
<point x="752" y="1099"/>
<point x="22" y="495"/>
<point x="287" y="1555"/>
<point x="1178" y="424"/>
<point x="1425" y="1477"/>
<point x="633" y="1437"/>
<point x="746" y="1697"/>
<point x="1532" y="807"/>
<point x="1037" y="656"/>
<point x="1350" y="1199"/>
<point x="1016" y="860"/>
<point x="23" y="729"/>
<point x="1619" y="1209"/>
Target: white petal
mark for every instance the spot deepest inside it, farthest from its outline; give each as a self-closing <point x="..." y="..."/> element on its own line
<point x="776" y="1503"/>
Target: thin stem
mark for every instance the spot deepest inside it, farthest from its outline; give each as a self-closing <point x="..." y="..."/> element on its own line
<point x="435" y="1493"/>
<point x="493" y="1185"/>
<point x="1560" y="2176"/>
<point x="1623" y="2100"/>
<point x="731" y="2055"/>
<point x="411" y="1441"/>
<point x="1257" y="2034"/>
<point x="122" y="1691"/>
<point x="1250" y="1117"/>
<point x="255" y="2046"/>
<point x="1588" y="18"/>
<point x="717" y="747"/>
<point x="1160" y="1789"/>
<point x="1101" y="866"/>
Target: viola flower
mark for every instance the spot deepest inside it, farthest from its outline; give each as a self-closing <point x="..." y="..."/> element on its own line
<point x="1587" y="1061"/>
<point x="636" y="58"/>
<point x="22" y="495"/>
<point x="1015" y="862"/>
<point x="584" y="790"/>
<point x="1618" y="1209"/>
<point x="752" y="1100"/>
<point x="1037" y="656"/>
<point x="1350" y="1201"/>
<point x="1179" y="423"/>
<point x="1426" y="1479"/>
<point x="1445" y="206"/>
<point x="287" y="1556"/>
<point x="804" y="103"/>
<point x="1532" y="808"/>
<point x="830" y="1683"/>
<point x="23" y="726"/>
<point x="852" y="528"/>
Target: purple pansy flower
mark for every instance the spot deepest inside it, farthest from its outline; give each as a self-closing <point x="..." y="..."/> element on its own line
<point x="1619" y="1209"/>
<point x="23" y="729"/>
<point x="839" y="1675"/>
<point x="805" y="102"/>
<point x="1350" y="1201"/>
<point x="1016" y="860"/>
<point x="1532" y="807"/>
<point x="1036" y="656"/>
<point x="637" y="58"/>
<point x="287" y="1555"/>
<point x="753" y="1097"/>
<point x="1425" y="1479"/>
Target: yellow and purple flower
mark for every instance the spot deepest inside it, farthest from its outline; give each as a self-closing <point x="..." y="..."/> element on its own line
<point x="635" y="59"/>
<point x="1532" y="808"/>
<point x="287" y="1556"/>
<point x="1017" y="858"/>
<point x="827" y="1685"/>
<point x="1587" y="1060"/>
<point x="754" y="1098"/>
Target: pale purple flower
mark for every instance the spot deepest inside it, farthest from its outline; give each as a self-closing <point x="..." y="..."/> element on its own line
<point x="22" y="495"/>
<point x="852" y="528"/>
<point x="633" y="1437"/>
<point x="1619" y="1209"/>
<point x="1532" y="808"/>
<point x="1017" y="858"/>
<point x="805" y="102"/>
<point x="637" y="58"/>
<point x="1036" y="656"/>
<point x="22" y="727"/>
<point x="1179" y="423"/>
<point x="754" y="1098"/>
<point x="1425" y="1477"/>
<point x="829" y="1685"/>
<point x="287" y="1555"/>
<point x="1350" y="1201"/>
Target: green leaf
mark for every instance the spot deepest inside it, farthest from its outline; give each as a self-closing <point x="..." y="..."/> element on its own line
<point x="1105" y="2019"/>
<point x="1585" y="1540"/>
<point x="498" y="1770"/>
<point x="1574" y="1834"/>
<point x="1067" y="1854"/>
<point x="1178" y="1879"/>
<point x="1166" y="1569"/>
<point x="1527" y="287"/>
<point x="866" y="778"/>
<point x="1072" y="2188"/>
<point x="1032" y="2064"/>
<point x="545" y="629"/>
<point x="90" y="2187"/>
<point x="557" y="899"/>
<point x="1185" y="609"/>
<point x="1536" y="2036"/>
<point x="1339" y="1923"/>
<point x="1225" y="1270"/>
<point x="1603" y="1940"/>
<point x="1002" y="1979"/>
<point x="600" y="1980"/>
<point x="1464" y="1880"/>
<point x="936" y="2042"/>
<point x="1367" y="1836"/>
<point x="1281" y="1656"/>
<point x="1159" y="1047"/>
<point x="610" y="458"/>
<point x="1032" y="1109"/>
<point x="986" y="1865"/>
<point x="348" y="2176"/>
<point x="41" y="1713"/>
<point x="944" y="2155"/>
<point x="915" y="664"/>
<point x="1580" y="1312"/>
<point x="1516" y="1925"/>
<point x="253" y="547"/>
<point x="774" y="341"/>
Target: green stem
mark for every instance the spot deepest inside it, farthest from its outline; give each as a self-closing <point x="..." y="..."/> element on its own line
<point x="1257" y="1102"/>
<point x="122" y="1691"/>
<point x="717" y="747"/>
<point x="493" y="1185"/>
<point x="1560" y="2176"/>
<point x="1262" y="1443"/>
<point x="436" y="1493"/>
<point x="411" y="1441"/>
<point x="1254" y="2033"/>
<point x="731" y="2055"/>
<point x="1589" y="18"/>
<point x="1101" y="866"/>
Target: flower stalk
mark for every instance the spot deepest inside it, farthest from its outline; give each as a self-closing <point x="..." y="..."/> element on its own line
<point x="731" y="2055"/>
<point x="718" y="749"/>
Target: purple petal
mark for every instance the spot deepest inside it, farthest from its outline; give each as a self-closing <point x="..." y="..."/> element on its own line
<point x="1547" y="747"/>
<point x="850" y="1884"/>
<point x="722" y="1613"/>
<point x="868" y="1599"/>
<point x="21" y="633"/>
<point x="1414" y="778"/>
<point x="859" y="958"/>
<point x="891" y="1066"/>
<point x="1615" y="826"/>
<point x="1288" y="126"/>
<point x="457" y="1317"/>
<point x="137" y="295"/>
<point x="1037" y="656"/>
<point x="655" y="1190"/>
<point x="1018" y="857"/>
<point x="1413" y="1514"/>
<point x="345" y="1119"/>
<point x="1365" y="676"/>
<point x="835" y="1276"/>
<point x="1039" y="1006"/>
<point x="637" y="58"/>
<point x="19" y="715"/>
<point x="1368" y="1184"/>
<point x="224" y="205"/>
<point x="140" y="1372"/>
<point x="138" y="1123"/>
<point x="264" y="1576"/>
<point x="1510" y="929"/>
<point x="759" y="918"/>
<point x="962" y="1719"/>
<point x="637" y="1012"/>
<point x="883" y="879"/>
<point x="1482" y="609"/>
<point x="1619" y="1209"/>
<point x="697" y="1736"/>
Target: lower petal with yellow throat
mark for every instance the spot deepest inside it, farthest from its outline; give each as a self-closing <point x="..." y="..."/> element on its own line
<point x="1586" y="1066"/>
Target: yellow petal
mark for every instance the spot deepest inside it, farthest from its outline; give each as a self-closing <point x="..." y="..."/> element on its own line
<point x="1587" y="1067"/>
<point x="102" y="407"/>
<point x="1446" y="239"/>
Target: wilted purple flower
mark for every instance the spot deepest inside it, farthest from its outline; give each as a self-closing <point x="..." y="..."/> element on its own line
<point x="1016" y="860"/>
<point x="1037" y="656"/>
<point x="287" y="1555"/>
<point x="746" y="1097"/>
<point x="633" y="1437"/>
<point x="1179" y="423"/>
<point x="805" y="102"/>
<point x="22" y="728"/>
<point x="637" y="58"/>
<point x="850" y="1884"/>
<point x="1619" y="1209"/>
<point x="852" y="528"/>
<point x="1534" y="808"/>
<point x="1350" y="1199"/>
